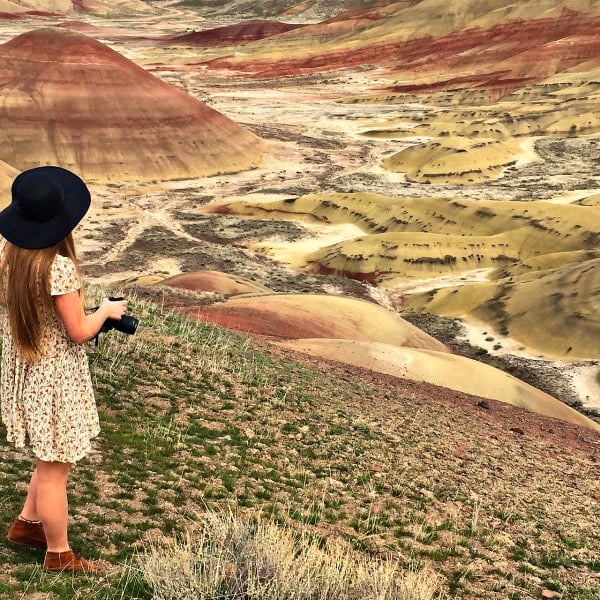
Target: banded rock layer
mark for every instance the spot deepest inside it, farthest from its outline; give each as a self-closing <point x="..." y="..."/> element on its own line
<point x="67" y="99"/>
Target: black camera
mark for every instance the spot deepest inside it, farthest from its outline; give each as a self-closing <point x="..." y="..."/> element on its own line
<point x="126" y="324"/>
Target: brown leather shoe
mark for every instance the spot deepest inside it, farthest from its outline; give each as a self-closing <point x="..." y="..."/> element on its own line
<point x="27" y="534"/>
<point x="69" y="561"/>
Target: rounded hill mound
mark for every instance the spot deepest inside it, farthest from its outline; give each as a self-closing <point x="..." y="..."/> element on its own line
<point x="256" y="29"/>
<point x="71" y="100"/>
<point x="291" y="316"/>
<point x="214" y="281"/>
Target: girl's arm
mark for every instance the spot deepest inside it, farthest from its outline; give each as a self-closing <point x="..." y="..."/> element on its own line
<point x="82" y="327"/>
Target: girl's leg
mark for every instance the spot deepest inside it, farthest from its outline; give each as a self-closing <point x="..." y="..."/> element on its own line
<point x="29" y="511"/>
<point x="47" y="501"/>
<point x="50" y="501"/>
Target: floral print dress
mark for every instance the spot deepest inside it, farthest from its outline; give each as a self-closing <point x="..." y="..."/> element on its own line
<point x="49" y="404"/>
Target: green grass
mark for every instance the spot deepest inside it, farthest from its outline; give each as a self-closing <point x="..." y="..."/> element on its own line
<point x="197" y="420"/>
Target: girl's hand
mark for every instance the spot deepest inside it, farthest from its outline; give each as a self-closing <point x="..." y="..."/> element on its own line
<point x="114" y="309"/>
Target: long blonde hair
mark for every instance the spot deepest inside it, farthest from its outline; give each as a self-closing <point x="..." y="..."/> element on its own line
<point x="25" y="275"/>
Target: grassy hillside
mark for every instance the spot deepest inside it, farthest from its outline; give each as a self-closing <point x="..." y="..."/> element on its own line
<point x="499" y="503"/>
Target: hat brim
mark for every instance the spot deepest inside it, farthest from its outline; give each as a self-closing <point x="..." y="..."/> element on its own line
<point x="33" y="235"/>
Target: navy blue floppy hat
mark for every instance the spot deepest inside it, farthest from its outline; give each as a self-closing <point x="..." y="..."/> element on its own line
<point x="47" y="204"/>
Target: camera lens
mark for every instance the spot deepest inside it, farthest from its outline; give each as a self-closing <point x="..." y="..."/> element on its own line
<point x="127" y="324"/>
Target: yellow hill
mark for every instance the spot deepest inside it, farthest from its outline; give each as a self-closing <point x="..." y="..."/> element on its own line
<point x="555" y="310"/>
<point x="459" y="160"/>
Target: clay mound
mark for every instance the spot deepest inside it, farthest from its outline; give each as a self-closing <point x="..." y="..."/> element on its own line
<point x="593" y="200"/>
<point x="505" y="56"/>
<point x="72" y="101"/>
<point x="81" y="27"/>
<point x="430" y="237"/>
<point x="234" y="34"/>
<point x="443" y="369"/>
<point x="456" y="161"/>
<point x="504" y="263"/>
<point x="386" y="257"/>
<point x="466" y="146"/>
<point x="10" y="16"/>
<point x="291" y="316"/>
<point x="215" y="281"/>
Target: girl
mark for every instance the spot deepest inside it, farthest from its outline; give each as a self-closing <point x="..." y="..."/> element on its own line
<point x="46" y="391"/>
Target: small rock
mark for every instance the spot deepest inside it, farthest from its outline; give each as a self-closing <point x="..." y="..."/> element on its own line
<point x="550" y="594"/>
<point x="461" y="453"/>
<point x="517" y="430"/>
<point x="484" y="404"/>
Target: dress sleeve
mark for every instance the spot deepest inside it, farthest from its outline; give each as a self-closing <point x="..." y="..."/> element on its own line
<point x="63" y="276"/>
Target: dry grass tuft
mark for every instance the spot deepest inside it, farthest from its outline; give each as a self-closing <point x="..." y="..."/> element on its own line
<point x="228" y="556"/>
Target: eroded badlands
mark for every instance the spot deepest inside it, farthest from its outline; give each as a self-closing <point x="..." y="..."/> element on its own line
<point x="478" y="204"/>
